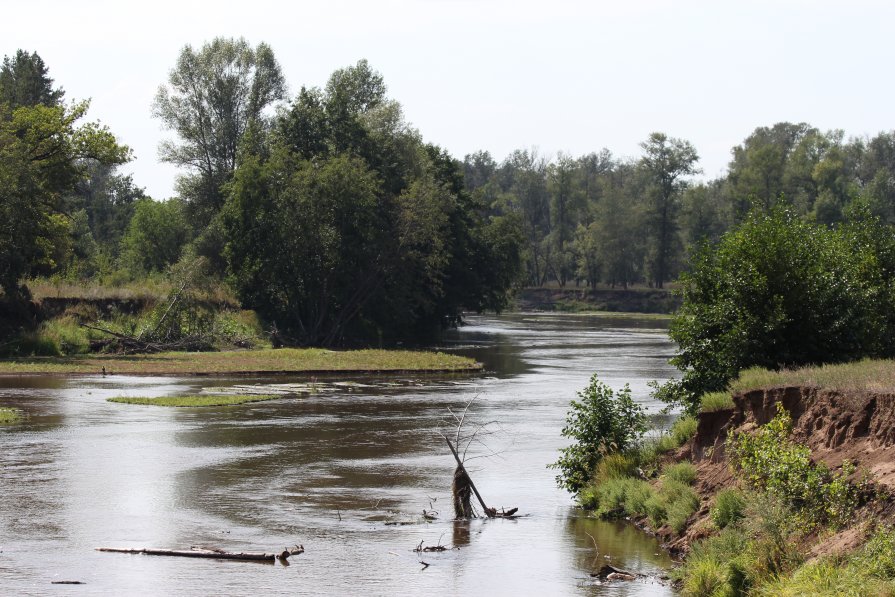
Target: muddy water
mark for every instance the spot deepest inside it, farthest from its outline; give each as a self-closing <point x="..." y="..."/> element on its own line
<point x="344" y="469"/>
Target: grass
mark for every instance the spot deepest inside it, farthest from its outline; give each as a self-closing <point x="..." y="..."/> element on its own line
<point x="8" y="416"/>
<point x="877" y="375"/>
<point x="281" y="360"/>
<point x="715" y="401"/>
<point x="200" y="400"/>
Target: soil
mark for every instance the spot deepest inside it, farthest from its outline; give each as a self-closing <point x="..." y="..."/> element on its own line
<point x="858" y="426"/>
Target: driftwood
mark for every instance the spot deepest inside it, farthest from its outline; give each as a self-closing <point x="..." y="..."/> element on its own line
<point x="607" y="572"/>
<point x="463" y="484"/>
<point x="217" y="554"/>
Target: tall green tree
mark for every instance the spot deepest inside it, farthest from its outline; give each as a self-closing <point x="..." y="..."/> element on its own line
<point x="666" y="161"/>
<point x="43" y="154"/>
<point x="214" y="95"/>
<point x="25" y="81"/>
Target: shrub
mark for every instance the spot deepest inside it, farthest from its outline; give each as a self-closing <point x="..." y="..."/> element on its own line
<point x="706" y="578"/>
<point x="66" y="335"/>
<point x="780" y="290"/>
<point x="682" y="472"/>
<point x="769" y="460"/>
<point x="729" y="507"/>
<point x="600" y="422"/>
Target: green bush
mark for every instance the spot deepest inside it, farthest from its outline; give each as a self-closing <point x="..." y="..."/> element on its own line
<point x="682" y="472"/>
<point x="780" y="290"/>
<point x="769" y="460"/>
<point x="729" y="508"/>
<point x="66" y="335"/>
<point x="878" y="555"/>
<point x="600" y="422"/>
<point x="707" y="578"/>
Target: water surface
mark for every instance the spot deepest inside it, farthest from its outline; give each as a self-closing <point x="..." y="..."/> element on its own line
<point x="338" y="469"/>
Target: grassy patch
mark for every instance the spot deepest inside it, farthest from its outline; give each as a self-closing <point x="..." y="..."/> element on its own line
<point x="198" y="400"/>
<point x="282" y="360"/>
<point x="8" y="416"/>
<point x="860" y="375"/>
<point x="715" y="401"/>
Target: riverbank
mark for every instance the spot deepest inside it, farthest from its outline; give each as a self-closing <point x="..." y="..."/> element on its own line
<point x="786" y="490"/>
<point x="306" y="361"/>
<point x="612" y="300"/>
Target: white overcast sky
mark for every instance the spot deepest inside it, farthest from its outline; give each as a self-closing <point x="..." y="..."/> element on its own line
<point x="500" y="75"/>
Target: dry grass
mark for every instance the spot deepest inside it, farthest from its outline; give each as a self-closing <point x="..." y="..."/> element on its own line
<point x="151" y="289"/>
<point x="875" y="375"/>
<point x="195" y="400"/>
<point x="283" y="360"/>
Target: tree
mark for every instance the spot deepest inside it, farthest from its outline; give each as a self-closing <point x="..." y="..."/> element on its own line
<point x="781" y="292"/>
<point x="347" y="228"/>
<point x="213" y="97"/>
<point x="666" y="160"/>
<point x="43" y="154"/>
<point x="155" y="236"/>
<point x="25" y="81"/>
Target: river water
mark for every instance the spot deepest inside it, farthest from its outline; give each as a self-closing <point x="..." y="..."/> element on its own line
<point x="343" y="467"/>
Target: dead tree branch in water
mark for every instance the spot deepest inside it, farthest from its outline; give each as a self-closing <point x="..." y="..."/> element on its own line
<point x="463" y="487"/>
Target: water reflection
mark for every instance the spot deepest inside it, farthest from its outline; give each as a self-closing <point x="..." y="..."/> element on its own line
<point x="333" y="470"/>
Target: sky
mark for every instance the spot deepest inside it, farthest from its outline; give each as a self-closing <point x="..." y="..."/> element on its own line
<point x="495" y="75"/>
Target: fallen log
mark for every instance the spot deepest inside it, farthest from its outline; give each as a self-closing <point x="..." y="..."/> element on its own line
<point x="217" y="554"/>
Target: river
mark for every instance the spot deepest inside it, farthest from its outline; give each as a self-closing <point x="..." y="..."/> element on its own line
<point x="340" y="469"/>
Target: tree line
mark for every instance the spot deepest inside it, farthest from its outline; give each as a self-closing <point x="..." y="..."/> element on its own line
<point x="597" y="218"/>
<point x="330" y="215"/>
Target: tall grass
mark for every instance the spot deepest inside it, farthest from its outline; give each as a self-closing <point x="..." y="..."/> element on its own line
<point x="861" y="375"/>
<point x="714" y="401"/>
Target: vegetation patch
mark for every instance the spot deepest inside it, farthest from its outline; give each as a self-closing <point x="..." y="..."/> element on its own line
<point x="8" y="416"/>
<point x="867" y="374"/>
<point x="714" y="401"/>
<point x="281" y="360"/>
<point x="769" y="460"/>
<point x="197" y="400"/>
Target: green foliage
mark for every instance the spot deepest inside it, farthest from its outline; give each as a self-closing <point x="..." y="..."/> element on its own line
<point x="780" y="291"/>
<point x="615" y="492"/>
<point x="681" y="472"/>
<point x="66" y="335"/>
<point x="25" y="81"/>
<point x="712" y="401"/>
<point x="43" y="153"/>
<point x="214" y="97"/>
<point x="600" y="422"/>
<point x="769" y="460"/>
<point x="155" y="236"/>
<point x="729" y="507"/>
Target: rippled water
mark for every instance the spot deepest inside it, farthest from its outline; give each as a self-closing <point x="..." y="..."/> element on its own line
<point x="333" y="469"/>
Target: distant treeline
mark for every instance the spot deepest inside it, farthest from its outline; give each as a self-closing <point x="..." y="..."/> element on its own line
<point x="330" y="216"/>
<point x="596" y="218"/>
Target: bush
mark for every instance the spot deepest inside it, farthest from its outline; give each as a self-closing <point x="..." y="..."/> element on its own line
<point x="729" y="508"/>
<point x="781" y="291"/>
<point x="769" y="460"/>
<point x="600" y="422"/>
<point x="682" y="472"/>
